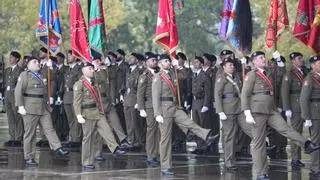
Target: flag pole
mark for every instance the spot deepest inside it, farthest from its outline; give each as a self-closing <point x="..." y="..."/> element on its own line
<point x="48" y="52"/>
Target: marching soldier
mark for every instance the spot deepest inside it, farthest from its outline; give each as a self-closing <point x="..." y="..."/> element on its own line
<point x="144" y="101"/>
<point x="258" y="104"/>
<point x="90" y="113"/>
<point x="72" y="74"/>
<point x="134" y="128"/>
<point x="228" y="104"/>
<point x="15" y="122"/>
<point x="309" y="103"/>
<point x="290" y="95"/>
<point x="166" y="112"/>
<point x="31" y="99"/>
<point x="102" y="79"/>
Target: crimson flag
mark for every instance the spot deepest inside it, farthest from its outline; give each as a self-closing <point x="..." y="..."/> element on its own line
<point x="78" y="32"/>
<point x="166" y="32"/>
<point x="306" y="27"/>
<point x="278" y="21"/>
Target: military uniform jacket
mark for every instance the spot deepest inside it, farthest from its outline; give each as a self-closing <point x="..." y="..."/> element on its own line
<point x="130" y="97"/>
<point x="84" y="101"/>
<point x="291" y="89"/>
<point x="185" y="84"/>
<point x="144" y="92"/>
<point x="163" y="99"/>
<point x="122" y="69"/>
<point x="310" y="97"/>
<point x="211" y="73"/>
<point x="256" y="93"/>
<point x="59" y="80"/>
<point x="71" y="76"/>
<point x="227" y="94"/>
<point x="278" y="73"/>
<point x="31" y="92"/>
<point x="112" y="76"/>
<point x="104" y="88"/>
<point x="10" y="81"/>
<point x="53" y="81"/>
<point x="201" y="88"/>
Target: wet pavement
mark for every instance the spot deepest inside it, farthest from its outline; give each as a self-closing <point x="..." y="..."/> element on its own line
<point x="132" y="166"/>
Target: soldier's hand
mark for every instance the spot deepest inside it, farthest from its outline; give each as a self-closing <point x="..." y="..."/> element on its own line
<point x="136" y="106"/>
<point x="51" y="100"/>
<point x="222" y="116"/>
<point x="279" y="109"/>
<point x="289" y="113"/>
<point x="59" y="101"/>
<point x="308" y="123"/>
<point x="249" y="117"/>
<point x="121" y="98"/>
<point x="22" y="110"/>
<point x="143" y="113"/>
<point x="243" y="60"/>
<point x="175" y="63"/>
<point x="204" y="109"/>
<point x="49" y="64"/>
<point x="159" y="119"/>
<point x="80" y="118"/>
<point x="186" y="105"/>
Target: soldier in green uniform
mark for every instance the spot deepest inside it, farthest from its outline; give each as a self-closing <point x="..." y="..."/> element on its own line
<point x="228" y="105"/>
<point x="134" y="130"/>
<point x="31" y="99"/>
<point x="15" y="122"/>
<point x="258" y="104"/>
<point x="166" y="112"/>
<point x="309" y="104"/>
<point x="144" y="101"/>
<point x="90" y="113"/>
<point x="290" y="95"/>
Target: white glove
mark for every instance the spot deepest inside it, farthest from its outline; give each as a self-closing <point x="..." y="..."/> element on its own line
<point x="288" y="113"/>
<point x="107" y="61"/>
<point x="80" y="118"/>
<point x="243" y="60"/>
<point x="59" y="101"/>
<point x="121" y="98"/>
<point x="204" y="109"/>
<point x="174" y="62"/>
<point x="186" y="105"/>
<point x="280" y="63"/>
<point x="51" y="100"/>
<point x="136" y="106"/>
<point x="22" y="110"/>
<point x="1" y="97"/>
<point x="249" y="118"/>
<point x="143" y="113"/>
<point x="279" y="109"/>
<point x="117" y="101"/>
<point x="222" y="116"/>
<point x="276" y="55"/>
<point x="308" y="123"/>
<point x="49" y="64"/>
<point x="159" y="119"/>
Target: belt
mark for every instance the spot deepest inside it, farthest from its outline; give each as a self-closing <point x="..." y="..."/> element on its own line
<point x="315" y="100"/>
<point x="166" y="98"/>
<point x="294" y="91"/>
<point x="87" y="106"/>
<point x="197" y="98"/>
<point x="69" y="89"/>
<point x="229" y="95"/>
<point x="33" y="95"/>
<point x="104" y="94"/>
<point x="262" y="92"/>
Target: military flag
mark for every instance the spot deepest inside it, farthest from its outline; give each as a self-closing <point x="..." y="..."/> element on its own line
<point x="97" y="33"/>
<point x="236" y="25"/>
<point x="48" y="29"/>
<point x="306" y="27"/>
<point x="166" y="31"/>
<point x="278" y="21"/>
<point x="78" y="32"/>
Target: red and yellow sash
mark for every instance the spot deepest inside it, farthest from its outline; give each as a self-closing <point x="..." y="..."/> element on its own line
<point x="169" y="82"/>
<point x="266" y="80"/>
<point x="316" y="79"/>
<point x="94" y="93"/>
<point x="299" y="75"/>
